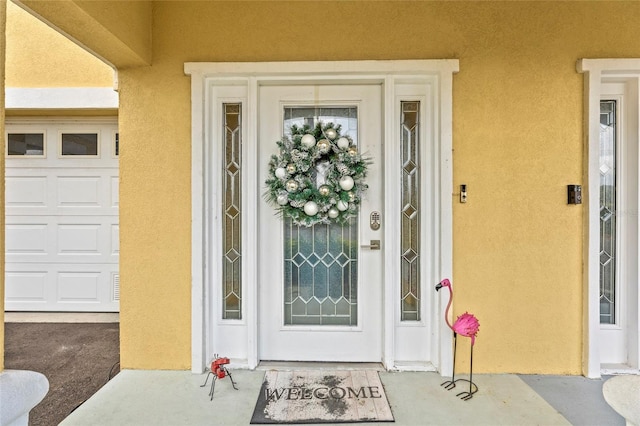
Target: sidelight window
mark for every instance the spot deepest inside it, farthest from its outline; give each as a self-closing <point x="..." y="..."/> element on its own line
<point x="410" y="217"/>
<point x="232" y="213"/>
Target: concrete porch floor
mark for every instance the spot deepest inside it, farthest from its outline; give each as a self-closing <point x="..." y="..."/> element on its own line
<point x="137" y="397"/>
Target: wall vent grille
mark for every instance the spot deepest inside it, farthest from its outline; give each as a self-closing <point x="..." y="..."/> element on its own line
<point x="116" y="287"/>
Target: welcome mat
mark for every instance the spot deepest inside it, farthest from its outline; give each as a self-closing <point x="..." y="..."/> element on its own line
<point x="321" y="397"/>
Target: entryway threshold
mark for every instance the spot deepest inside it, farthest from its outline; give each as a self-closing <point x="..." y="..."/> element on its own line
<point x="332" y="366"/>
<point x="617" y="369"/>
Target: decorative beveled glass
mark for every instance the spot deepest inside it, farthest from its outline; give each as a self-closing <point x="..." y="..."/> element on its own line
<point x="410" y="218"/>
<point x="608" y="212"/>
<point x="232" y="213"/>
<point x="321" y="262"/>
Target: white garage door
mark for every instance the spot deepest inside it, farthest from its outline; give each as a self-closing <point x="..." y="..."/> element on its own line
<point x="62" y="243"/>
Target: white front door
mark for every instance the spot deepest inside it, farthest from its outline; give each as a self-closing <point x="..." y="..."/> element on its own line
<point x="320" y="288"/>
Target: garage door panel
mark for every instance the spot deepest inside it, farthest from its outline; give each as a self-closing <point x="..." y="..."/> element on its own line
<point x="29" y="238"/>
<point x="85" y="192"/>
<point x="62" y="232"/>
<point x="78" y="286"/>
<point x="26" y="191"/>
<point x="87" y="287"/>
<point x="78" y="191"/>
<point x="66" y="287"/>
<point x="26" y="286"/>
<point x="81" y="239"/>
<point x="87" y="239"/>
<point x="68" y="194"/>
<point x="51" y="239"/>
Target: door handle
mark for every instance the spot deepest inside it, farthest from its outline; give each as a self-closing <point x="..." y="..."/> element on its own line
<point x="375" y="245"/>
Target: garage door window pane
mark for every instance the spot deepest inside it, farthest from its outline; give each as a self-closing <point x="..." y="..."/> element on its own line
<point x="25" y="144"/>
<point x="80" y="144"/>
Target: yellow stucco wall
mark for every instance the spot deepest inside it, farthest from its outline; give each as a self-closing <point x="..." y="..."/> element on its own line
<point x="517" y="140"/>
<point x="39" y="56"/>
<point x="155" y="216"/>
<point x="130" y="21"/>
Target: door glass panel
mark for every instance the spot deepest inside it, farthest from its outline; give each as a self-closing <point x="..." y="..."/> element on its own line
<point x="321" y="262"/>
<point x="608" y="212"/>
<point x="321" y="274"/>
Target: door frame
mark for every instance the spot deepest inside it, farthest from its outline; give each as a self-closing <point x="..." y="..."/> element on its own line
<point x="597" y="72"/>
<point x="212" y="83"/>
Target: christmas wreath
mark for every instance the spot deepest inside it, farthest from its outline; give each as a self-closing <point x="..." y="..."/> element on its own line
<point x="318" y="176"/>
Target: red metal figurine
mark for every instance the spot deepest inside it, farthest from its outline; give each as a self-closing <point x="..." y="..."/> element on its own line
<point x="219" y="371"/>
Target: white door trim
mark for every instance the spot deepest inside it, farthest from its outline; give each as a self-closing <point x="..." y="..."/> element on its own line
<point x="597" y="70"/>
<point x="206" y="80"/>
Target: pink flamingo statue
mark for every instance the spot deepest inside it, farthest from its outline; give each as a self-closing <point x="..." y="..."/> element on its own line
<point x="466" y="325"/>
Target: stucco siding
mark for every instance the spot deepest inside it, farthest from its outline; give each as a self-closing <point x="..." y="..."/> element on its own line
<point x="155" y="216"/>
<point x="517" y="138"/>
<point x="39" y="56"/>
<point x="517" y="144"/>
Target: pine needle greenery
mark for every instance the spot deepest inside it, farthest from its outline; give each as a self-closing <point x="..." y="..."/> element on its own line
<point x="319" y="179"/>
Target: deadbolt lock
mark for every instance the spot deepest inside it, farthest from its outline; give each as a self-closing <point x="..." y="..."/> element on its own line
<point x="374" y="220"/>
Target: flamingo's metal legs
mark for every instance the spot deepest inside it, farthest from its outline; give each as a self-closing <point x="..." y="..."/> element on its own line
<point x="450" y="384"/>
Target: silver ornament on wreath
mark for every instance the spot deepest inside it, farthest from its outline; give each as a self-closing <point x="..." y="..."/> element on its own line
<point x="308" y="141"/>
<point x="346" y="183"/>
<point x="323" y="146"/>
<point x="331" y="133"/>
<point x="291" y="185"/>
<point x="282" y="199"/>
<point x="281" y="172"/>
<point x="310" y="208"/>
